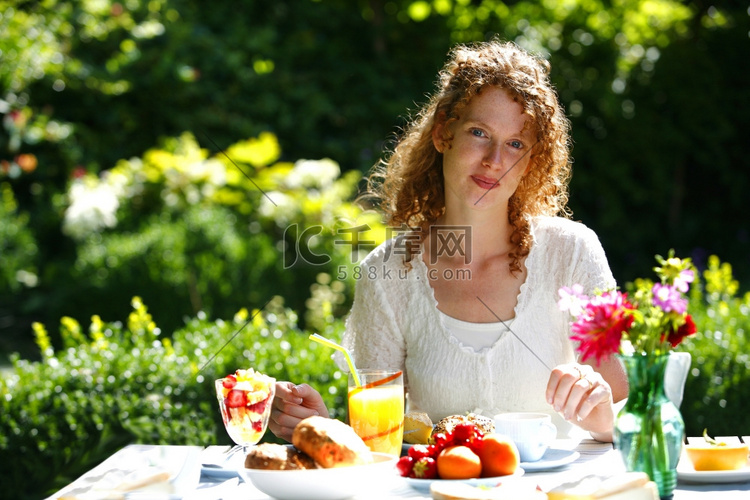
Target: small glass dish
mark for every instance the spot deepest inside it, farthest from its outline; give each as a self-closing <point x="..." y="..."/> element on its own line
<point x="245" y="403"/>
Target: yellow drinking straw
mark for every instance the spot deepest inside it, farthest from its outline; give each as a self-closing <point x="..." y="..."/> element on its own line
<point x="322" y="340"/>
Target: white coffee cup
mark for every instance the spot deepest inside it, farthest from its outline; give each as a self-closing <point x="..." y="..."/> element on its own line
<point x="532" y="432"/>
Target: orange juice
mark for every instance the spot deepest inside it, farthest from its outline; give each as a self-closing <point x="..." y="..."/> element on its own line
<point x="377" y="416"/>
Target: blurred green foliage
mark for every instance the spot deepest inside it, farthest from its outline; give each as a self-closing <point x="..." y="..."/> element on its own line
<point x="117" y="384"/>
<point x="190" y="232"/>
<point x="17" y="245"/>
<point x="719" y="382"/>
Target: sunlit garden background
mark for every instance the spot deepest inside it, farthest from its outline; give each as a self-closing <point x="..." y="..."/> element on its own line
<point x="178" y="186"/>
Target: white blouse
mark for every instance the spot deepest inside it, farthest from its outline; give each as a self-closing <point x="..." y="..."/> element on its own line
<point x="394" y="323"/>
<point x="477" y="336"/>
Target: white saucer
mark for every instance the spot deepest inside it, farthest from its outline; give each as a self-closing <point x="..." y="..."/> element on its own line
<point x="423" y="485"/>
<point x="552" y="459"/>
<point x="686" y="473"/>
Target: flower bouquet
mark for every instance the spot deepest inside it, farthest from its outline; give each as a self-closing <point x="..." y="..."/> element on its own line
<point x="641" y="327"/>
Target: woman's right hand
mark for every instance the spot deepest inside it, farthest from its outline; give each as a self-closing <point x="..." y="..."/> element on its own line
<point x="292" y="404"/>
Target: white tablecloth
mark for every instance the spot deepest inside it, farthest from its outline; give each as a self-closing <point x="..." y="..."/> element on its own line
<point x="183" y="463"/>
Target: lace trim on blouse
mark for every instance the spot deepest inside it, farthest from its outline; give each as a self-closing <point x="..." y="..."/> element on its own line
<point x="476" y="337"/>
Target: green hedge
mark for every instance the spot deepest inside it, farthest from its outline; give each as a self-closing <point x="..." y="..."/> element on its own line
<point x="122" y="384"/>
<point x="718" y="386"/>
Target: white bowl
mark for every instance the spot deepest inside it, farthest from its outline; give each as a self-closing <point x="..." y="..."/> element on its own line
<point x="323" y="484"/>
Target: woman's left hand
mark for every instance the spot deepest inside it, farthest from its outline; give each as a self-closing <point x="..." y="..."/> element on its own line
<point x="582" y="396"/>
<point x="575" y="390"/>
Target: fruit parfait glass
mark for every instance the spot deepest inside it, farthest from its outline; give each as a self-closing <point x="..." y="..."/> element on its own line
<point x="245" y="402"/>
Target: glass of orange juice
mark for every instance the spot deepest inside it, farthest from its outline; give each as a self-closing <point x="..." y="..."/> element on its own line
<point x="376" y="409"/>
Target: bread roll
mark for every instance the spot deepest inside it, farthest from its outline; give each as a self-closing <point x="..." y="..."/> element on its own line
<point x="330" y="442"/>
<point x="270" y="456"/>
<point x="446" y="425"/>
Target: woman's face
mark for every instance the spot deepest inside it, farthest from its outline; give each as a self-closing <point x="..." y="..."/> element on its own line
<point x="489" y="152"/>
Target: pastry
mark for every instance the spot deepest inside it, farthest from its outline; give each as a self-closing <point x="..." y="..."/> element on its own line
<point x="626" y="486"/>
<point x="270" y="456"/>
<point x="330" y="442"/>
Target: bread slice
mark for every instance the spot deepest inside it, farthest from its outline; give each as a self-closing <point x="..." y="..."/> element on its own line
<point x="627" y="486"/>
<point x="447" y="490"/>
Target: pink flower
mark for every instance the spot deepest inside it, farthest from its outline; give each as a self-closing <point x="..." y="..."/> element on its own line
<point x="669" y="298"/>
<point x="601" y="325"/>
<point x="652" y="321"/>
<point x="572" y="299"/>
<point x="683" y="280"/>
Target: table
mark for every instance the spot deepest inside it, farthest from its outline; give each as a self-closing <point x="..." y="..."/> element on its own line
<point x="190" y="483"/>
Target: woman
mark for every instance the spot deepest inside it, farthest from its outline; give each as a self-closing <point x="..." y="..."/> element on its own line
<point x="466" y="303"/>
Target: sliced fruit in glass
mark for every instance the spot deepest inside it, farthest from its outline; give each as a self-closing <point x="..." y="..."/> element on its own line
<point x="245" y="399"/>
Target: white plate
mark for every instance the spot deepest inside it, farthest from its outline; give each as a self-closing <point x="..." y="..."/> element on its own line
<point x="552" y="459"/>
<point x="423" y="485"/>
<point x="322" y="484"/>
<point x="686" y="473"/>
<point x="167" y="472"/>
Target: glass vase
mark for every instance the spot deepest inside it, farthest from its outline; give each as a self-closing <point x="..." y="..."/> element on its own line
<point x="649" y="430"/>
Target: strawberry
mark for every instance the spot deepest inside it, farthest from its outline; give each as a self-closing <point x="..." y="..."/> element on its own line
<point x="236" y="399"/>
<point x="440" y="441"/>
<point x="229" y="381"/>
<point x="405" y="465"/>
<point x="425" y="468"/>
<point x="465" y="433"/>
<point x="420" y="451"/>
<point x="259" y="407"/>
